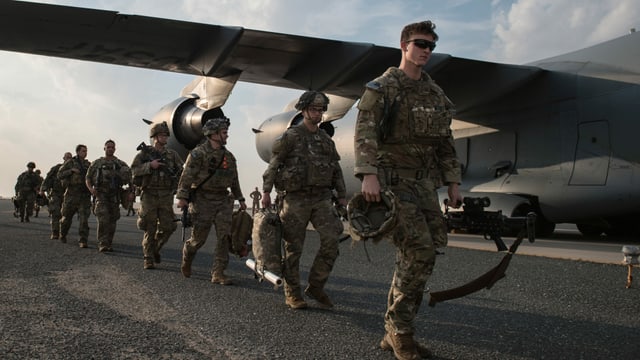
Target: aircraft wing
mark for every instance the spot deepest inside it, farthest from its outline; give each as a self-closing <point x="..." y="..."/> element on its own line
<point x="615" y="60"/>
<point x="192" y="48"/>
<point x="337" y="67"/>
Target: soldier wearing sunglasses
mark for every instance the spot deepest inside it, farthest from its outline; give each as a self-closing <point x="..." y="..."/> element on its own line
<point x="403" y="143"/>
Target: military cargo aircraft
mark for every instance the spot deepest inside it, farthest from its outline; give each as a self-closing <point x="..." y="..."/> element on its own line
<point x="556" y="136"/>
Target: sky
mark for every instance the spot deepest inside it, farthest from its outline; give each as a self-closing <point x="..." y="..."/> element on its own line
<point x="49" y="105"/>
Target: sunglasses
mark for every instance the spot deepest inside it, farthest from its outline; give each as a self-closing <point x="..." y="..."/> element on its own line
<point x="315" y="109"/>
<point x="423" y="44"/>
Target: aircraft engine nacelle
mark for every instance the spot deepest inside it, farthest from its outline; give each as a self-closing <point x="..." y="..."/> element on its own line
<point x="272" y="128"/>
<point x="185" y="119"/>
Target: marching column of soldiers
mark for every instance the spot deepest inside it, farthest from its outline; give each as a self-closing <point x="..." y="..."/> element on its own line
<point x="407" y="151"/>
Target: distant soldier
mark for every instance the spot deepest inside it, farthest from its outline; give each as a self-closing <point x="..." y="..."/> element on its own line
<point x="77" y="198"/>
<point x="156" y="170"/>
<point x="36" y="203"/>
<point x="130" y="209"/>
<point x="256" y="196"/>
<point x="105" y="178"/>
<point x="26" y="189"/>
<point x="305" y="166"/>
<point x="55" y="192"/>
<point x="209" y="172"/>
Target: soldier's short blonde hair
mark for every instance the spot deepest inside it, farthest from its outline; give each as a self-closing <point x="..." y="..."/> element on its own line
<point x="422" y="27"/>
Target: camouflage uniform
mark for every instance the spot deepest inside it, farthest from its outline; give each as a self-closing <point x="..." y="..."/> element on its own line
<point x="305" y="166"/>
<point x="408" y="150"/>
<point x="156" y="216"/>
<point x="53" y="187"/>
<point x="107" y="176"/>
<point x="27" y="186"/>
<point x="211" y="203"/>
<point x="77" y="198"/>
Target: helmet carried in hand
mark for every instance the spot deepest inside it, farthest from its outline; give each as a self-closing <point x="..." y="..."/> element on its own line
<point x="372" y="220"/>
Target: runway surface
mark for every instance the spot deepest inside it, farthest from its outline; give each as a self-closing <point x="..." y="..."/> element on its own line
<point x="58" y="301"/>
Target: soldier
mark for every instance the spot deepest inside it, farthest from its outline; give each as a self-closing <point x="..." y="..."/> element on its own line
<point x="77" y="198"/>
<point x="55" y="192"/>
<point x="402" y="136"/>
<point x="156" y="170"/>
<point x="304" y="165"/>
<point x="130" y="209"/>
<point x="210" y="170"/>
<point x="256" y="196"/>
<point x="36" y="204"/>
<point x="105" y="178"/>
<point x="26" y="188"/>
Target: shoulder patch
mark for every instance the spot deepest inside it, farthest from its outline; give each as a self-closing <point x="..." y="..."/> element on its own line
<point x="374" y="85"/>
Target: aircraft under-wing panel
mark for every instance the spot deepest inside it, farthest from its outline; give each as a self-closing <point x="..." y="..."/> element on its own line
<point x="556" y="136"/>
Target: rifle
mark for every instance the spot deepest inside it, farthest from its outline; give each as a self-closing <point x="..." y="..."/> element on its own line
<point x="185" y="220"/>
<point x="342" y="214"/>
<point x="152" y="154"/>
<point x="492" y="224"/>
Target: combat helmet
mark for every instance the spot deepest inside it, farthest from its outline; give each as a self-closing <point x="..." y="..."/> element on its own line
<point x="159" y="128"/>
<point x="213" y="126"/>
<point x="312" y="98"/>
<point x="31" y="164"/>
<point x="372" y="220"/>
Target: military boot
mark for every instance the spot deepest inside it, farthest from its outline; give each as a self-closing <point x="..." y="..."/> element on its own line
<point x="422" y="350"/>
<point x="296" y="302"/>
<point x="156" y="256"/>
<point x="404" y="348"/>
<point x="219" y="277"/>
<point x="55" y="235"/>
<point x="148" y="263"/>
<point x="185" y="267"/>
<point x="318" y="295"/>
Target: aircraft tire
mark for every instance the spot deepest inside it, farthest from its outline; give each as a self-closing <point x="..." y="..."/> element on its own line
<point x="623" y="227"/>
<point x="544" y="227"/>
<point x="590" y="230"/>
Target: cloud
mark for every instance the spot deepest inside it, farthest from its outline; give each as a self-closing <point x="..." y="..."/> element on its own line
<point x="531" y="30"/>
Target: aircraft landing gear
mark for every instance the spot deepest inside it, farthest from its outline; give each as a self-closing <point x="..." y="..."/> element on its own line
<point x="590" y="230"/>
<point x="544" y="227"/>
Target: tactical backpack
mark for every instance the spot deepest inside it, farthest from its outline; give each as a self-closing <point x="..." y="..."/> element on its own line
<point x="267" y="242"/>
<point x="241" y="228"/>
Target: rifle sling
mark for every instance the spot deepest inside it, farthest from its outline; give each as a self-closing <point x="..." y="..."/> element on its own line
<point x="210" y="175"/>
<point x="485" y="281"/>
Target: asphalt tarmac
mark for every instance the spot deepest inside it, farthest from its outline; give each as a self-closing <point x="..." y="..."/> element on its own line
<point x="58" y="301"/>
